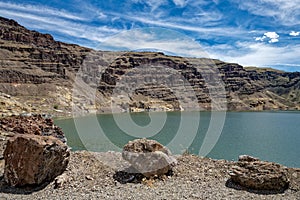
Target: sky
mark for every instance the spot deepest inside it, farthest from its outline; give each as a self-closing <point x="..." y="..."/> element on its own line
<point x="262" y="33"/>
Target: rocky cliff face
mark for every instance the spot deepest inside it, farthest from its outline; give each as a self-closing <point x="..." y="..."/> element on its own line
<point x="245" y="88"/>
<point x="25" y="50"/>
<point x="40" y="73"/>
<point x="35" y="68"/>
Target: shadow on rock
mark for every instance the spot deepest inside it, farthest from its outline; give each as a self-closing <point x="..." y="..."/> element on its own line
<point x="26" y="190"/>
<point x="231" y="184"/>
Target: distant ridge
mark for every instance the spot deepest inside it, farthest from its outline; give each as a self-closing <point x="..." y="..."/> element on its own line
<point x="40" y="73"/>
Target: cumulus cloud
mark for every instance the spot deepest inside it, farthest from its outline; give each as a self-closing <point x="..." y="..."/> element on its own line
<point x="293" y="33"/>
<point x="272" y="36"/>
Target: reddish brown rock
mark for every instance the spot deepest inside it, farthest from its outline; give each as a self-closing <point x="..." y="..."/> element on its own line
<point x="34" y="159"/>
<point x="253" y="173"/>
<point x="35" y="124"/>
<point x="148" y="157"/>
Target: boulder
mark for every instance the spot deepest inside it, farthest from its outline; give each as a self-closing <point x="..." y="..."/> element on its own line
<point x="34" y="159"/>
<point x="148" y="157"/>
<point x="253" y="173"/>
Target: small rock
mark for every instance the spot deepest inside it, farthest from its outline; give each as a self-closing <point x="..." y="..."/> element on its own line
<point x="247" y="158"/>
<point x="60" y="181"/>
<point x="89" y="178"/>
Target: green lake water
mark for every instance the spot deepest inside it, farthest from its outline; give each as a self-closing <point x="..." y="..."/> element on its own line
<point x="272" y="136"/>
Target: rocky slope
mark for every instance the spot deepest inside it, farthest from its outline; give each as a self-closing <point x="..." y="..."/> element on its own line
<point x="40" y="73"/>
<point x="87" y="177"/>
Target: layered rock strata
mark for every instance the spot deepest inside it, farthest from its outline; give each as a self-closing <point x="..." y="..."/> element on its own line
<point x="40" y="72"/>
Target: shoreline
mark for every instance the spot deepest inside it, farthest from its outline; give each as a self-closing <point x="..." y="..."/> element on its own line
<point x="69" y="115"/>
<point x="174" y="111"/>
<point x="96" y="176"/>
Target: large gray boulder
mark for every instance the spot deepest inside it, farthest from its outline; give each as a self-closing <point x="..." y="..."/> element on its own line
<point x="253" y="173"/>
<point x="148" y="157"/>
<point x="34" y="159"/>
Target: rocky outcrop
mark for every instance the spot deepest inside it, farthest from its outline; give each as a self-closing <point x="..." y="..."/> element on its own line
<point x="11" y="106"/>
<point x="148" y="157"/>
<point x="39" y="50"/>
<point x="33" y="64"/>
<point x="34" y="125"/>
<point x="253" y="173"/>
<point x="34" y="159"/>
<point x="157" y="76"/>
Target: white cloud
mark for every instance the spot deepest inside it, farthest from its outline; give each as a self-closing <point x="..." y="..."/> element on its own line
<point x="286" y="12"/>
<point x="293" y="33"/>
<point x="45" y="18"/>
<point x="101" y="15"/>
<point x="260" y="38"/>
<point x="194" y="20"/>
<point x="59" y="25"/>
<point x="273" y="40"/>
<point x="161" y="39"/>
<point x="174" y="24"/>
<point x="153" y="4"/>
<point x="273" y="37"/>
<point x="180" y="3"/>
<point x="168" y="41"/>
<point x="260" y="55"/>
<point x="40" y="10"/>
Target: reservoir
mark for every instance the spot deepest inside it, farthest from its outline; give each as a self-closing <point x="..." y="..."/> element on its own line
<point x="272" y="136"/>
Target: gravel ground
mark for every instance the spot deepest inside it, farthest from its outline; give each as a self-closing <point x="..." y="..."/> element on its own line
<point x="102" y="176"/>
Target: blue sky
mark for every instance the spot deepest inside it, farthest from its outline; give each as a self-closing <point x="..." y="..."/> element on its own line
<point x="263" y="33"/>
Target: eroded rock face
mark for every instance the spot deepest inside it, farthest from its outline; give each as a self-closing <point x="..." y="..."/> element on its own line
<point x="36" y="125"/>
<point x="253" y="173"/>
<point x="34" y="159"/>
<point x="35" y="65"/>
<point x="148" y="157"/>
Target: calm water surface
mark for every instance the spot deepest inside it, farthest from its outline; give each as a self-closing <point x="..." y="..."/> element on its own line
<point x="272" y="136"/>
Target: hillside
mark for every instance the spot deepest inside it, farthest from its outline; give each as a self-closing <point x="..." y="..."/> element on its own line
<point x="39" y="73"/>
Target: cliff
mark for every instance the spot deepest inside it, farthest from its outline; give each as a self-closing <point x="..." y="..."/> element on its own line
<point x="40" y="72"/>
